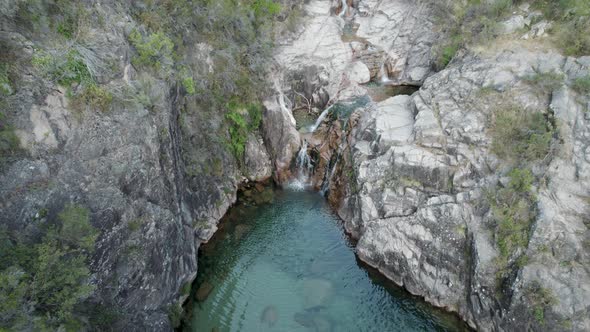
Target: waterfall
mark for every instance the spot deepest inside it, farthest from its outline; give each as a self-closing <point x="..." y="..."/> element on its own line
<point x="304" y="168"/>
<point x="303" y="160"/>
<point x="283" y="102"/>
<point x="344" y="8"/>
<point x="329" y="175"/>
<point x="319" y="121"/>
<point x="383" y="73"/>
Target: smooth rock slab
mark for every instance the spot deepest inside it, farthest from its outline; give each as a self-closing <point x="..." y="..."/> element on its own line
<point x="359" y="73"/>
<point x="394" y="120"/>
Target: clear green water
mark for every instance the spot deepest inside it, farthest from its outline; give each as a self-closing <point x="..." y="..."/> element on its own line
<point x="288" y="266"/>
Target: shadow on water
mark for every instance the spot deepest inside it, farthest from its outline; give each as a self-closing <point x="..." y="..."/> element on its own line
<point x="289" y="266"/>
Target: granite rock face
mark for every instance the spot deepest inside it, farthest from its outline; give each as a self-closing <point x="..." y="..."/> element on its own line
<point x="336" y="52"/>
<point x="420" y="168"/>
<point x="155" y="179"/>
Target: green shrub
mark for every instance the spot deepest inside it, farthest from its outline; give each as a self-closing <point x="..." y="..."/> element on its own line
<point x="76" y="232"/>
<point x="13" y="295"/>
<point x="582" y="84"/>
<point x="265" y="8"/>
<point x="186" y="288"/>
<point x="135" y="224"/>
<point x="238" y="132"/>
<point x="520" y="135"/>
<point x="156" y="50"/>
<point x="72" y="69"/>
<point x="447" y="53"/>
<point x="571" y="24"/>
<point x="465" y="23"/>
<point x="546" y="82"/>
<point x="539" y="299"/>
<point x="513" y="212"/>
<point x="175" y="315"/>
<point x="93" y="96"/>
<point x="67" y="27"/>
<point x="521" y="181"/>
<point x="187" y="82"/>
<point x="9" y="142"/>
<point x="5" y="84"/>
<point x="255" y="116"/>
<point x="243" y="119"/>
<point x="65" y="70"/>
<point x="47" y="279"/>
<point x="61" y="280"/>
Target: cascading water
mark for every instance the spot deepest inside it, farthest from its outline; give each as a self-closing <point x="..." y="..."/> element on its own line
<point x="304" y="168"/>
<point x="383" y="74"/>
<point x="344" y="8"/>
<point x="319" y="121"/>
<point x="329" y="175"/>
<point x="283" y="102"/>
<point x="304" y="161"/>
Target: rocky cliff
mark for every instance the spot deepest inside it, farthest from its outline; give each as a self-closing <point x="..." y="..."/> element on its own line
<point x="471" y="192"/>
<point x="101" y="123"/>
<point x="444" y="195"/>
<point x="423" y="173"/>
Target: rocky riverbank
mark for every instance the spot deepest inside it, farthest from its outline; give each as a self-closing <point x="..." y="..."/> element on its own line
<point x="421" y="180"/>
<point x="471" y="192"/>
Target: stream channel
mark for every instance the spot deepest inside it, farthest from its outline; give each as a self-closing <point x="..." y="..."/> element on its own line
<point x="288" y="265"/>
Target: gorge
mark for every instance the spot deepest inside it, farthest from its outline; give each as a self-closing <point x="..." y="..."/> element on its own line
<point x="449" y="141"/>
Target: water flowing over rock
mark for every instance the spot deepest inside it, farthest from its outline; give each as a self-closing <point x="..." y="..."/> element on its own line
<point x="410" y="175"/>
<point x="396" y="36"/>
<point x="320" y="119"/>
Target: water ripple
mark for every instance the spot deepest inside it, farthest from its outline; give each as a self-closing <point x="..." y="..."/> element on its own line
<point x="294" y="270"/>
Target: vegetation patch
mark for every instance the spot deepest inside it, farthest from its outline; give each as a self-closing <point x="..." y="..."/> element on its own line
<point x="582" y="84"/>
<point x="476" y="21"/>
<point x="64" y="69"/>
<point x="546" y="82"/>
<point x="72" y="71"/>
<point x="93" y="96"/>
<point x="514" y="212"/>
<point x="175" y="315"/>
<point x="155" y="50"/>
<point x="242" y="119"/>
<point x="9" y="142"/>
<point x="571" y="24"/>
<point x="5" y="84"/>
<point x="467" y="22"/>
<point x="511" y="207"/>
<point x="519" y="134"/>
<point x="135" y="224"/>
<point x="539" y="299"/>
<point x="47" y="278"/>
<point x="520" y="137"/>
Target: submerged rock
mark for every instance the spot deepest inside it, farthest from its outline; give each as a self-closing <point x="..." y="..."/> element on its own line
<point x="264" y="197"/>
<point x="316" y="291"/>
<point x="240" y="230"/>
<point x="314" y="318"/>
<point x="203" y="291"/>
<point x="269" y="316"/>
